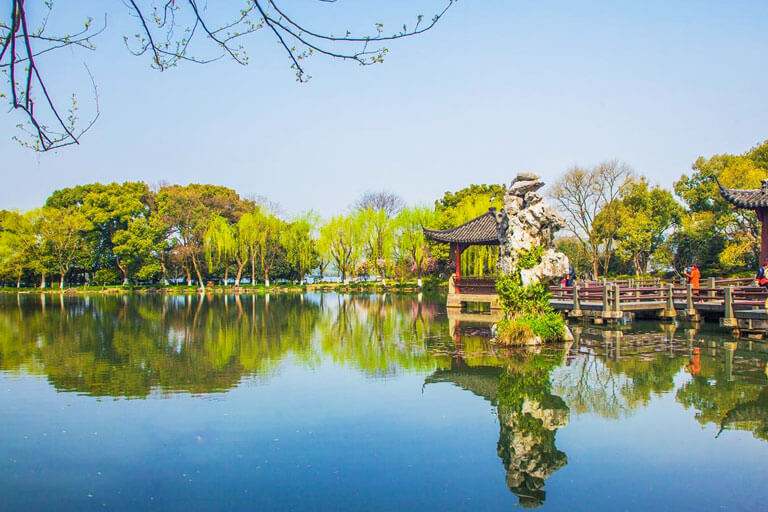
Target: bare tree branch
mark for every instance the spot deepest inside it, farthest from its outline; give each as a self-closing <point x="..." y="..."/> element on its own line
<point x="167" y="29"/>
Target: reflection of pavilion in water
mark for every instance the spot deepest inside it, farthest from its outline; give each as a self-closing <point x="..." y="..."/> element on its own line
<point x="529" y="417"/>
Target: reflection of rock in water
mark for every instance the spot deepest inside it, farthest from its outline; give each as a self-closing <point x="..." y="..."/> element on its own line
<point x="527" y="446"/>
<point x="529" y="415"/>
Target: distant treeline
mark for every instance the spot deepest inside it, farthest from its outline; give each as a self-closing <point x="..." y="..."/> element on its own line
<point x="195" y="234"/>
<point x="132" y="234"/>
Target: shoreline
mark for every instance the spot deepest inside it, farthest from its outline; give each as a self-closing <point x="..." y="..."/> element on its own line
<point x="404" y="287"/>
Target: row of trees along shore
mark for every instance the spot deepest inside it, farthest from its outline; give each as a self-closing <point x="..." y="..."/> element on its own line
<point x="131" y="233"/>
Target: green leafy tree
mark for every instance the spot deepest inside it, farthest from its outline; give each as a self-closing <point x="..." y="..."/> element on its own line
<point x="299" y="246"/>
<point x="17" y="243"/>
<point x="187" y="210"/>
<point x="410" y="235"/>
<point x="377" y="236"/>
<point x="638" y="220"/>
<point x="342" y="236"/>
<point x="456" y="208"/>
<point x="220" y="243"/>
<point x="248" y="242"/>
<point x="267" y="236"/>
<point x="581" y="194"/>
<point x="141" y="249"/>
<point x="61" y="230"/>
<point x="713" y="231"/>
<point x="110" y="208"/>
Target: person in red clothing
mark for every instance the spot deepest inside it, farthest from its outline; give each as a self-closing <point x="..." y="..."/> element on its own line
<point x="762" y="275"/>
<point x="693" y="278"/>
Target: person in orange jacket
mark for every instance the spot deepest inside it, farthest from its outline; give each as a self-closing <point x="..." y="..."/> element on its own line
<point x="693" y="278"/>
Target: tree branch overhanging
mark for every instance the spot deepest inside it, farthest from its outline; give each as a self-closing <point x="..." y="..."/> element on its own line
<point x="168" y="30"/>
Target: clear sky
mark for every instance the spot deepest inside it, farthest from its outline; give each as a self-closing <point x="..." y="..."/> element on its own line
<point x="498" y="87"/>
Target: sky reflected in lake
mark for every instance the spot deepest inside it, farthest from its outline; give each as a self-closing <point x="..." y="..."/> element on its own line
<point x="375" y="402"/>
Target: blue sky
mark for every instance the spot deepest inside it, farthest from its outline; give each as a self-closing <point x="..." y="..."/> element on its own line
<point x="498" y="87"/>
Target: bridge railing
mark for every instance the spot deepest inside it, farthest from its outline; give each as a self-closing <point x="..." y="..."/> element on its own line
<point x="745" y="296"/>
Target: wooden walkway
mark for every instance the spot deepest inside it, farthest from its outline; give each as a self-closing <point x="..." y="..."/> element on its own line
<point x="735" y="303"/>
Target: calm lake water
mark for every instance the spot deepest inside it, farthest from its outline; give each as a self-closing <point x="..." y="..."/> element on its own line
<point x="339" y="402"/>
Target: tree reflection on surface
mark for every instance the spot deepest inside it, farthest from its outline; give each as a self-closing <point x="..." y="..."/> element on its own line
<point x="137" y="346"/>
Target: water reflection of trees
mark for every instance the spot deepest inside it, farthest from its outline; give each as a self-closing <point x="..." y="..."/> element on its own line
<point x="729" y="390"/>
<point x="128" y="346"/>
<point x="381" y="335"/>
<point x="611" y="373"/>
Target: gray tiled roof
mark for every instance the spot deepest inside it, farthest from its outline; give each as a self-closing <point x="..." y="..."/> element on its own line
<point x="482" y="230"/>
<point x="749" y="199"/>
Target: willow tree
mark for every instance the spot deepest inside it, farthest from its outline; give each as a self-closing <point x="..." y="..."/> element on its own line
<point x="220" y="244"/>
<point x="299" y="246"/>
<point x="266" y="235"/>
<point x="342" y="236"/>
<point x="248" y="238"/>
<point x="376" y="227"/>
<point x="410" y="235"/>
<point x="187" y="210"/>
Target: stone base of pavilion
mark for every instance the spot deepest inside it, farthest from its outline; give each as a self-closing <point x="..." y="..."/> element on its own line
<point x="458" y="300"/>
<point x="478" y="290"/>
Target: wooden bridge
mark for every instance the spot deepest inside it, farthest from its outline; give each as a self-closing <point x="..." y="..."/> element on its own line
<point x="735" y="303"/>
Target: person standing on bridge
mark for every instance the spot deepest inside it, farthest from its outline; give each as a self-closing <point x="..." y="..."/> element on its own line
<point x="693" y="278"/>
<point x="762" y="275"/>
<point x="571" y="277"/>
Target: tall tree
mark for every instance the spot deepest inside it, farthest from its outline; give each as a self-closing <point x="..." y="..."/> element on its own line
<point x="382" y="200"/>
<point x="17" y="239"/>
<point x="713" y="231"/>
<point x="639" y="221"/>
<point x="110" y="208"/>
<point x="299" y="246"/>
<point x="581" y="194"/>
<point x="186" y="210"/>
<point x="248" y="238"/>
<point x="61" y="230"/>
<point x="410" y="235"/>
<point x="267" y="238"/>
<point x="141" y="249"/>
<point x="377" y="227"/>
<point x="342" y="236"/>
<point x="220" y="243"/>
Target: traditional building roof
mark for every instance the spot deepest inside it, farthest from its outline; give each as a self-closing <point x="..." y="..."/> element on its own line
<point x="483" y="230"/>
<point x="751" y="199"/>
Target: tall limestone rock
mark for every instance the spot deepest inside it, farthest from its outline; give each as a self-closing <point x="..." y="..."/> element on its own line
<point x="525" y="222"/>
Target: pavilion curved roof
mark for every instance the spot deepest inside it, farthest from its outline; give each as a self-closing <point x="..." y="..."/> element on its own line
<point x="482" y="230"/>
<point x="750" y="199"/>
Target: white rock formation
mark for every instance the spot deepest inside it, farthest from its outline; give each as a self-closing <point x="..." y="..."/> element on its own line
<point x="530" y="223"/>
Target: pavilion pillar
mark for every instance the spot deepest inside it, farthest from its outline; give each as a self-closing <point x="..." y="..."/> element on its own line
<point x="457" y="249"/>
<point x="762" y="216"/>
